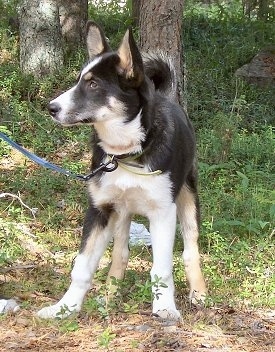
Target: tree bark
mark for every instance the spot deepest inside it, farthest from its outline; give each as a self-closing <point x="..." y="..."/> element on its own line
<point x="73" y="19"/>
<point x="40" y="37"/>
<point x="160" y="24"/>
<point x="135" y="12"/>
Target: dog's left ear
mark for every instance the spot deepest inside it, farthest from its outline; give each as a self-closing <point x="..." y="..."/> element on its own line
<point x="130" y="65"/>
<point x="96" y="40"/>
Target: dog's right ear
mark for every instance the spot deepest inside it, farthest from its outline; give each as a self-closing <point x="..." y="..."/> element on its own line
<point x="96" y="40"/>
<point x="130" y="66"/>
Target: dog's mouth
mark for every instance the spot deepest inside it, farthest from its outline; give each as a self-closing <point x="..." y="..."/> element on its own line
<point x="72" y="121"/>
<point x="87" y="120"/>
<point x="68" y="117"/>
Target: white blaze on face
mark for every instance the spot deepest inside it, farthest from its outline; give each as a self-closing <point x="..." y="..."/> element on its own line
<point x="66" y="101"/>
<point x="90" y="65"/>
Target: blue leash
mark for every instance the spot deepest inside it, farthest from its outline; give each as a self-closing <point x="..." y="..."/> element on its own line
<point x="109" y="166"/>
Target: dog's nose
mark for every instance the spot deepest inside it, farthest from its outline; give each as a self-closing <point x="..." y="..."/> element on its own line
<point x="54" y="108"/>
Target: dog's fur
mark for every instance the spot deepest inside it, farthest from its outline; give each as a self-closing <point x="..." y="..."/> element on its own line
<point x="131" y="102"/>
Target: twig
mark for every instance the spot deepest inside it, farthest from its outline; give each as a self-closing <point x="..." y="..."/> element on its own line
<point x="18" y="267"/>
<point x="2" y="195"/>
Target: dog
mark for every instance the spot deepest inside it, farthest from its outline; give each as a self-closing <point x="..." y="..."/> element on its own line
<point x="146" y="144"/>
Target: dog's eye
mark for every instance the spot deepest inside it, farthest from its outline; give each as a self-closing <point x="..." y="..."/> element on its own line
<point x="93" y="84"/>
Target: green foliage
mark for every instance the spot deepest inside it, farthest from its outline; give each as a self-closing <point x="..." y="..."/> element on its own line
<point x="241" y="267"/>
<point x="70" y="325"/>
<point x="4" y="147"/>
<point x="128" y="295"/>
<point x="237" y="182"/>
<point x="215" y="48"/>
<point x="105" y="338"/>
<point x="233" y="120"/>
<point x="10" y="249"/>
<point x="8" y="9"/>
<point x="114" y="16"/>
<point x="226" y="10"/>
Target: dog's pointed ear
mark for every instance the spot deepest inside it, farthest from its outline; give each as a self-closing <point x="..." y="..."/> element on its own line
<point x="130" y="65"/>
<point x="96" y="40"/>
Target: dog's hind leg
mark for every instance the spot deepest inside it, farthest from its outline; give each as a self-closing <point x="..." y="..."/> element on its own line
<point x="97" y="232"/>
<point x="188" y="214"/>
<point x="162" y="229"/>
<point x="120" y="253"/>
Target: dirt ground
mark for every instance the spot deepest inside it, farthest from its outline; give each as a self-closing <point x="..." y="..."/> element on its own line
<point x="213" y="330"/>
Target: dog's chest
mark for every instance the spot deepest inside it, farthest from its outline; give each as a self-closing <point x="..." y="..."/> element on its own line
<point x="138" y="194"/>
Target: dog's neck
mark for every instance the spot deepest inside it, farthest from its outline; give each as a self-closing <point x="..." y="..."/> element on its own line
<point x="120" y="149"/>
<point x="118" y="137"/>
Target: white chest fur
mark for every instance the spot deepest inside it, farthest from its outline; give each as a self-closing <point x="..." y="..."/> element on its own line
<point x="138" y="194"/>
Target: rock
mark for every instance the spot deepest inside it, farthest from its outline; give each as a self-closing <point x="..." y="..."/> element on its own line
<point x="261" y="69"/>
<point x="139" y="235"/>
<point x="142" y="328"/>
<point x="170" y="329"/>
<point x="206" y="345"/>
<point x="8" y="305"/>
<point x="24" y="322"/>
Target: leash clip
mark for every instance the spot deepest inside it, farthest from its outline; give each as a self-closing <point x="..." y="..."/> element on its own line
<point x="109" y="166"/>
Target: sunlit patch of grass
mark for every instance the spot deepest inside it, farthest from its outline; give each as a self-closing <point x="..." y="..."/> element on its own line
<point x="239" y="270"/>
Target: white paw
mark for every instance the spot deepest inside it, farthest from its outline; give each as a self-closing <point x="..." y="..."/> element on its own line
<point x="57" y="311"/>
<point x="168" y="314"/>
<point x="197" y="298"/>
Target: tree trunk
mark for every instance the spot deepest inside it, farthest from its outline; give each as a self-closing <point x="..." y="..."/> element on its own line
<point x="264" y="9"/>
<point x="160" y="24"/>
<point x="40" y="37"/>
<point x="135" y="12"/>
<point x="73" y="19"/>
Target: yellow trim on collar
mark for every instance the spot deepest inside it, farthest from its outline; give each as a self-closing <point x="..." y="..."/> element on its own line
<point x="133" y="167"/>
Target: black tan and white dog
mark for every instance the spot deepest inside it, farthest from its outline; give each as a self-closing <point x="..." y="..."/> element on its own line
<point x="138" y="126"/>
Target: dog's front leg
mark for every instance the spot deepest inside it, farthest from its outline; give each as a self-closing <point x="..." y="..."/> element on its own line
<point x="162" y="229"/>
<point x="96" y="235"/>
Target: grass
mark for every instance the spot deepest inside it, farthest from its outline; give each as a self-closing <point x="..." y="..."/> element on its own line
<point x="235" y="133"/>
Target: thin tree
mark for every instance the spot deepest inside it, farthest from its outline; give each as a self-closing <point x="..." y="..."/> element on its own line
<point x="48" y="28"/>
<point x="40" y="37"/>
<point x="73" y="19"/>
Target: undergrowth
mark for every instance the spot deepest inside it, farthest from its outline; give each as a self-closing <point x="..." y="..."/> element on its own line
<point x="234" y="123"/>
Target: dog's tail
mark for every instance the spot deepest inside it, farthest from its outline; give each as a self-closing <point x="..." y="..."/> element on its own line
<point x="160" y="69"/>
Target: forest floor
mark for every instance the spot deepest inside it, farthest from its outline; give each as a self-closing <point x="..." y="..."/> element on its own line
<point x="212" y="330"/>
<point x="220" y="328"/>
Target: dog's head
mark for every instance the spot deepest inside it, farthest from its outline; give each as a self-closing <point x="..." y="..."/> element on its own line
<point x="107" y="87"/>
